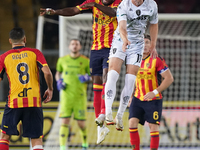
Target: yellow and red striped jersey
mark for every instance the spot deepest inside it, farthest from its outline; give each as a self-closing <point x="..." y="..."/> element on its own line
<point x="149" y="76"/>
<point x="103" y="25"/>
<point x="21" y="65"/>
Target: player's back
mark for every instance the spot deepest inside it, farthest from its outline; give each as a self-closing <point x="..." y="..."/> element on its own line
<point x="21" y="66"/>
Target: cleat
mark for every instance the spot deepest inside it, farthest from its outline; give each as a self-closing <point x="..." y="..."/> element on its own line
<point x="100" y="120"/>
<point x="119" y="123"/>
<point x="109" y="119"/>
<point x="101" y="137"/>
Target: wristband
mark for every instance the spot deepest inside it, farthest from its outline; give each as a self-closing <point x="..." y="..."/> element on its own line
<point x="155" y="92"/>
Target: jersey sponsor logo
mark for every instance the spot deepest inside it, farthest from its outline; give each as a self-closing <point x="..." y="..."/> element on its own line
<point x="143" y="17"/>
<point x="103" y="21"/>
<point x="24" y="93"/>
<point x="138" y="12"/>
<point x="145" y="76"/>
<point x="20" y="56"/>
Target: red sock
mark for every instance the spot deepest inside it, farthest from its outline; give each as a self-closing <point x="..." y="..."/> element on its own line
<point x="103" y="100"/>
<point x="154" y="140"/>
<point x="4" y="144"/>
<point x="134" y="138"/>
<point x="97" y="88"/>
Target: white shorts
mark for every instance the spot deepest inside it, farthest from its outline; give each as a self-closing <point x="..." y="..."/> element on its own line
<point x="133" y="54"/>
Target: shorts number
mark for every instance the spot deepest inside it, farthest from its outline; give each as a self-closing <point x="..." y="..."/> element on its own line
<point x="155" y="115"/>
<point x="22" y="69"/>
<point x="139" y="58"/>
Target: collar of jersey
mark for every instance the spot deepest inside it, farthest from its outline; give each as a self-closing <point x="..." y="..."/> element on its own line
<point x="18" y="47"/>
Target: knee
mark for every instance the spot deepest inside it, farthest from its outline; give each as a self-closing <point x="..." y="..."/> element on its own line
<point x="5" y="136"/>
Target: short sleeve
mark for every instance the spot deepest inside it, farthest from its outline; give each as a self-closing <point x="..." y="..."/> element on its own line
<point x="161" y="66"/>
<point x="85" y="2"/>
<point x="154" y="17"/>
<point x="41" y="61"/>
<point x="59" y="65"/>
<point x="121" y="12"/>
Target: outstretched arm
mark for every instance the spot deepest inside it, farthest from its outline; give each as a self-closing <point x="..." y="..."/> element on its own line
<point x="123" y="34"/>
<point x="70" y="11"/>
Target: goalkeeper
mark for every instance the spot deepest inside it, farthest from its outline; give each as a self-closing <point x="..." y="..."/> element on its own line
<point x="72" y="76"/>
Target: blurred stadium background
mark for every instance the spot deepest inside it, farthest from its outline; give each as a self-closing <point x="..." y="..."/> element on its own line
<point x="178" y="43"/>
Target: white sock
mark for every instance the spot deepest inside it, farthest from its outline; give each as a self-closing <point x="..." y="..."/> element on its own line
<point x="110" y="90"/>
<point x="38" y="147"/>
<point x="126" y="93"/>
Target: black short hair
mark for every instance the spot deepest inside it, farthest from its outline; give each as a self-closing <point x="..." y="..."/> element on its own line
<point x="147" y="36"/>
<point x="16" y="33"/>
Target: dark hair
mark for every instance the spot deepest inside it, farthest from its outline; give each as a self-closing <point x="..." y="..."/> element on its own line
<point x="147" y="36"/>
<point x="75" y="40"/>
<point x="16" y="33"/>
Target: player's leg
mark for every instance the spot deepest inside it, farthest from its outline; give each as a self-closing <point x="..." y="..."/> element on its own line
<point x="97" y="89"/>
<point x="96" y="73"/>
<point x="131" y="72"/>
<point x="32" y="122"/>
<point x="110" y="87"/>
<point x="64" y="132"/>
<point x="11" y="118"/>
<point x="66" y="110"/>
<point x="37" y="143"/>
<point x="153" y="114"/>
<point x="80" y="109"/>
<point x="133" y="62"/>
<point x="154" y="133"/>
<point x="4" y="141"/>
<point x="83" y="132"/>
<point x="136" y="116"/>
<point x="105" y="55"/>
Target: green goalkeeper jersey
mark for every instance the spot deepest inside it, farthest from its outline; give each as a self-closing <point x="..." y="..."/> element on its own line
<point x="71" y="69"/>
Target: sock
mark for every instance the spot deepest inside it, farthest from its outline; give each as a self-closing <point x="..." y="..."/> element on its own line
<point x="110" y="90"/>
<point x="134" y="138"/>
<point x="97" y="88"/>
<point x="63" y="134"/>
<point x="83" y="133"/>
<point x="38" y="147"/>
<point x="126" y="93"/>
<point x="4" y="144"/>
<point x="154" y="140"/>
<point x="103" y="100"/>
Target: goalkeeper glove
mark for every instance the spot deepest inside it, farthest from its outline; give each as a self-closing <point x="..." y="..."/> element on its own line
<point x="84" y="78"/>
<point x="61" y="85"/>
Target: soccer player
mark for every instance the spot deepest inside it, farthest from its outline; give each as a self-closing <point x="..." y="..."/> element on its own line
<point x="72" y="76"/>
<point x="104" y="25"/>
<point x="146" y="104"/>
<point x="22" y="65"/>
<point x="128" y="42"/>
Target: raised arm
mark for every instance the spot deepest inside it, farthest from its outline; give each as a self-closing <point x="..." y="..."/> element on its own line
<point x="49" y="80"/>
<point x="106" y="10"/>
<point x="70" y="11"/>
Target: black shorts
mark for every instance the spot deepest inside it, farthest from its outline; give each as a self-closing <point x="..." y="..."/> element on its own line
<point x="150" y="111"/>
<point x="31" y="117"/>
<point x="98" y="61"/>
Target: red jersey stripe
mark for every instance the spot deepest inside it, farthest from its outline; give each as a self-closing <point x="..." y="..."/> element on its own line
<point x="15" y="103"/>
<point x="25" y="102"/>
<point x="34" y="101"/>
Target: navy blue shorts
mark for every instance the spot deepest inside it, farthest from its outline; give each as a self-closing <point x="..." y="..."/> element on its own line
<point x="31" y="117"/>
<point x="98" y="61"/>
<point x="150" y="111"/>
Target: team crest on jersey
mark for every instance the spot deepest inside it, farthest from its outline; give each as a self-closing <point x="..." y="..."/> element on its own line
<point x="138" y="12"/>
<point x="147" y="65"/>
<point x="114" y="50"/>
